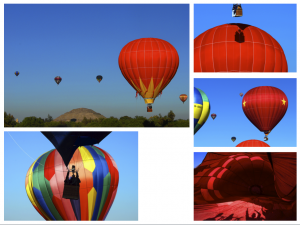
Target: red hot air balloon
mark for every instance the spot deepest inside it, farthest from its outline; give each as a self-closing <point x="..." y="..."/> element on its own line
<point x="252" y="143"/>
<point x="183" y="97"/>
<point x="148" y="64"/>
<point x="213" y="116"/>
<point x="245" y="186"/>
<point x="57" y="79"/>
<point x="265" y="106"/>
<point x="238" y="47"/>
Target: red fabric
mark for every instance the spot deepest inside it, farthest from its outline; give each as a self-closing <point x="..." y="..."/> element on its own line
<point x="265" y="106"/>
<point x="183" y="97"/>
<point x="238" y="48"/>
<point x="253" y="143"/>
<point x="231" y="186"/>
<point x="49" y="173"/>
<point x="148" y="58"/>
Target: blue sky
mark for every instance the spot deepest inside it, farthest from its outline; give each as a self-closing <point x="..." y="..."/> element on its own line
<point x="198" y="158"/>
<point x="79" y="42"/>
<point x="223" y="94"/>
<point x="122" y="146"/>
<point x="278" y="20"/>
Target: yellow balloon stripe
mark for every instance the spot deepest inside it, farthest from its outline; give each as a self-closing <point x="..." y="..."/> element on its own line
<point x="87" y="159"/>
<point x="205" y="113"/>
<point x="197" y="110"/>
<point x="91" y="202"/>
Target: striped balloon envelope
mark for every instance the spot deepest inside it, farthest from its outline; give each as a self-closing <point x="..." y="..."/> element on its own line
<point x="99" y="178"/>
<point x="201" y="109"/>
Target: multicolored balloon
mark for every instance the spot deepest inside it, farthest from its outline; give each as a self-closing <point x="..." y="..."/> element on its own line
<point x="99" y="78"/>
<point x="201" y="109"/>
<point x="233" y="139"/>
<point x="148" y="65"/>
<point x="241" y="94"/>
<point x="213" y="116"/>
<point x="265" y="106"/>
<point x="252" y="143"/>
<point x="99" y="177"/>
<point x="17" y="73"/>
<point x="57" y="79"/>
<point x="183" y="97"/>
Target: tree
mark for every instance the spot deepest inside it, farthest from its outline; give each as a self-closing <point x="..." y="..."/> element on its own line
<point x="31" y="122"/>
<point x="171" y="116"/>
<point x="49" y="118"/>
<point x="9" y="120"/>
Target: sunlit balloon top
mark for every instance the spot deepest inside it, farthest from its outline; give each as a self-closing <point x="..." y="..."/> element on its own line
<point x="237" y="47"/>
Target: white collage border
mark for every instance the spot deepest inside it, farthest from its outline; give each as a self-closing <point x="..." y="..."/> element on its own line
<point x="169" y="199"/>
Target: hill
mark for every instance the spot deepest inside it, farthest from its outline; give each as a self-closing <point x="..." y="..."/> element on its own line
<point x="77" y="115"/>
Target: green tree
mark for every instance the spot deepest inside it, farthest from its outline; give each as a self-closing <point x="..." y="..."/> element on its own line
<point x="171" y="116"/>
<point x="31" y="122"/>
<point x="9" y="120"/>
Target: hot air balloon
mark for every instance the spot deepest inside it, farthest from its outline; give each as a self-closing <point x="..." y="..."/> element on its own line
<point x="57" y="79"/>
<point x="183" y="97"/>
<point x="241" y="94"/>
<point x="252" y="143"/>
<point x="99" y="78"/>
<point x="238" y="47"/>
<point x="233" y="139"/>
<point x="213" y="116"/>
<point x="67" y="142"/>
<point x="201" y="109"/>
<point x="17" y="73"/>
<point x="265" y="106"/>
<point x="148" y="64"/>
<point x="245" y="186"/>
<point x="99" y="177"/>
<point x="237" y="10"/>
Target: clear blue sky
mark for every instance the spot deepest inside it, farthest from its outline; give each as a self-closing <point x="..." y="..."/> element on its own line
<point x="198" y="158"/>
<point x="79" y="42"/>
<point x="278" y="20"/>
<point x="223" y="94"/>
<point x="122" y="146"/>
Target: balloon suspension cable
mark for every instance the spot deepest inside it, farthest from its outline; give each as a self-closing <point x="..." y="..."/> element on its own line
<point x="23" y="150"/>
<point x="33" y="158"/>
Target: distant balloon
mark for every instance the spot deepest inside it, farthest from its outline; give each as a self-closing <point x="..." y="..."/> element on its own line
<point x="201" y="109"/>
<point x="17" y="73"/>
<point x="252" y="143"/>
<point x="241" y="94"/>
<point x="213" y="116"/>
<point x="183" y="97"/>
<point x="57" y="79"/>
<point x="99" y="78"/>
<point x="265" y="106"/>
<point x="99" y="178"/>
<point x="233" y="139"/>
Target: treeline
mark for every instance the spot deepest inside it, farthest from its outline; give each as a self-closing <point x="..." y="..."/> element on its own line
<point x="125" y="121"/>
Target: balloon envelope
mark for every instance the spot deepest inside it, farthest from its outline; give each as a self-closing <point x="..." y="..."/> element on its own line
<point x="67" y="142"/>
<point x="252" y="143"/>
<point x="148" y="64"/>
<point x="57" y="79"/>
<point x="213" y="116"/>
<point x="238" y="47"/>
<point x="99" y="78"/>
<point x="201" y="109"/>
<point x="183" y="97"/>
<point x="233" y="186"/>
<point x="265" y="106"/>
<point x="233" y="139"/>
<point x="17" y="73"/>
<point x="99" y="177"/>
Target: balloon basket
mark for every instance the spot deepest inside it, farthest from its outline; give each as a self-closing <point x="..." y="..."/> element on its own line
<point x="71" y="192"/>
<point x="239" y="12"/>
<point x="149" y="108"/>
